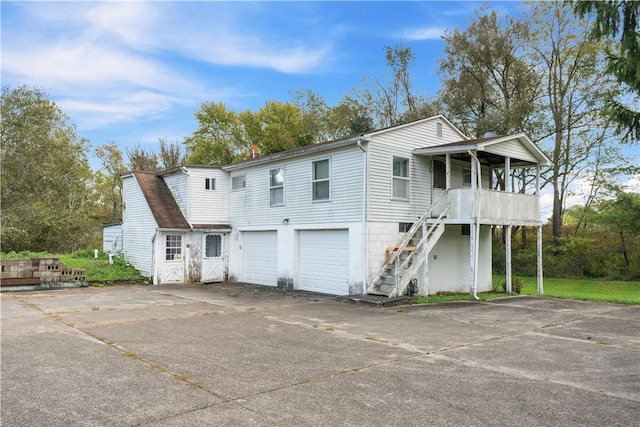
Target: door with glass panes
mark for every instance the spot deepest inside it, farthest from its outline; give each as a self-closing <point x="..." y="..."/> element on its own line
<point x="213" y="258"/>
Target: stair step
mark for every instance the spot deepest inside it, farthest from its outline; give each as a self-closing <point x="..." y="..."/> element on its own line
<point x="383" y="289"/>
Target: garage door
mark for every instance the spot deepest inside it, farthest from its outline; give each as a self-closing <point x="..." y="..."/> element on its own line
<point x="324" y="261"/>
<point x="261" y="258"/>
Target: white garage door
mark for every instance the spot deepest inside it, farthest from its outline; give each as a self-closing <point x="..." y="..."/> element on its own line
<point x="324" y="261"/>
<point x="261" y="258"/>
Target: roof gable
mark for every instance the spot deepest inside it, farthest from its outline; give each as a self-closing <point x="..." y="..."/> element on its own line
<point x="338" y="143"/>
<point x="163" y="206"/>
<point x="516" y="146"/>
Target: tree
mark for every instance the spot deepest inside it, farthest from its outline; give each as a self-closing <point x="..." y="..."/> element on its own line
<point x="569" y="63"/>
<point x="619" y="18"/>
<point x="108" y="183"/>
<point x="488" y="83"/>
<point x="141" y="159"/>
<point x="219" y="138"/>
<point x="170" y="154"/>
<point x="46" y="179"/>
<point x="327" y="123"/>
<point x="392" y="99"/>
<point x="276" y="127"/>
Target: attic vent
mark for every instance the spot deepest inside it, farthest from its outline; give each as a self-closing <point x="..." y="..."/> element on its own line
<point x="439" y="130"/>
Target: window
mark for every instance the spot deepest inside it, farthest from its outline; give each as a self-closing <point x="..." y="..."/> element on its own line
<point x="400" y="178"/>
<point x="276" y="187"/>
<point x="238" y="182"/>
<point x="213" y="246"/>
<point x="439" y="174"/>
<point x="404" y="227"/>
<point x="320" y="180"/>
<point x="174" y="247"/>
<point x="466" y="177"/>
<point x="439" y="130"/>
<point x="209" y="183"/>
<point x="465" y="230"/>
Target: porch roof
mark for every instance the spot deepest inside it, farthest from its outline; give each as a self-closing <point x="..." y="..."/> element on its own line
<point x="493" y="150"/>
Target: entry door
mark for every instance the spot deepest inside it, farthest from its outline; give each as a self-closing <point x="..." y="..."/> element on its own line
<point x="172" y="264"/>
<point x="439" y="180"/>
<point x="213" y="260"/>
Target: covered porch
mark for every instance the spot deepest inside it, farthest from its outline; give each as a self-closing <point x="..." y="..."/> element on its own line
<point x="500" y="187"/>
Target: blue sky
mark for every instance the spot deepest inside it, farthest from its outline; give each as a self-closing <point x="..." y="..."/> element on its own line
<point x="133" y="72"/>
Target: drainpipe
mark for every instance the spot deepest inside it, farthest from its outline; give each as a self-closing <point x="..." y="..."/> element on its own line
<point x="365" y="232"/>
<point x="153" y="258"/>
<point x="476" y="236"/>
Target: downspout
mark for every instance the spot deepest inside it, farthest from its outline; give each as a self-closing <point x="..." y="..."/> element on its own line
<point x="365" y="232"/>
<point x="474" y="287"/>
<point x="153" y="258"/>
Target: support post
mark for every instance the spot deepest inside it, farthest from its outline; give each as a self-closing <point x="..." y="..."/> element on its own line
<point x="540" y="280"/>
<point x="448" y="171"/>
<point x="425" y="268"/>
<point x="507" y="244"/>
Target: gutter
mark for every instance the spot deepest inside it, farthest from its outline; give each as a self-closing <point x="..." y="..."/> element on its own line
<point x="296" y="152"/>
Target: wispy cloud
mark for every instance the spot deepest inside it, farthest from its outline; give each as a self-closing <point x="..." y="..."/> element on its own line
<point x="116" y="61"/>
<point x="425" y="33"/>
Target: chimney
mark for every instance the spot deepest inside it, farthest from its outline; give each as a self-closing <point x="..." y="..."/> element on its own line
<point x="253" y="151"/>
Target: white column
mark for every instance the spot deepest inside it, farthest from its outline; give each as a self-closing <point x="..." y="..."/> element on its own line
<point x="507" y="244"/>
<point x="425" y="268"/>
<point x="540" y="280"/>
<point x="507" y="174"/>
<point x="448" y="171"/>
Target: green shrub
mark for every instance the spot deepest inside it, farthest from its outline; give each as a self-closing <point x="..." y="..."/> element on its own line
<point x="516" y="285"/>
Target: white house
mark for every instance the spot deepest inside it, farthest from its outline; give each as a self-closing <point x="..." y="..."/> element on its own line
<point x="408" y="207"/>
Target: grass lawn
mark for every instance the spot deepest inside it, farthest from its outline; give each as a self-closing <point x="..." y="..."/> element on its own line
<point x="623" y="292"/>
<point x="97" y="270"/>
<point x="616" y="291"/>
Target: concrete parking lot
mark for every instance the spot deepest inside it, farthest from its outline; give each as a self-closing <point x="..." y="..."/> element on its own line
<point x="230" y="354"/>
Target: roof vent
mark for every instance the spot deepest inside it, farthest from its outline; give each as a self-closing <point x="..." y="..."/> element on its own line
<point x="490" y="134"/>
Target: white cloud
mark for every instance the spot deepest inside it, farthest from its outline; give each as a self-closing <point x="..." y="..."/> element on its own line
<point x="633" y="184"/>
<point x="426" y="33"/>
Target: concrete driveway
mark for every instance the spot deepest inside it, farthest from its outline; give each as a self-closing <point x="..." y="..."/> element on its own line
<point x="229" y="354"/>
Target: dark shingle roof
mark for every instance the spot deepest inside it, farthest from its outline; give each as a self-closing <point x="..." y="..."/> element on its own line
<point x="162" y="204"/>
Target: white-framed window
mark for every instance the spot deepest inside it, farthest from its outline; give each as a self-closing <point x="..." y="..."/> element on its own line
<point x="466" y="177"/>
<point x="213" y="246"/>
<point x="320" y="178"/>
<point x="400" y="185"/>
<point x="174" y="247"/>
<point x="276" y="187"/>
<point x="209" y="183"/>
<point x="238" y="182"/>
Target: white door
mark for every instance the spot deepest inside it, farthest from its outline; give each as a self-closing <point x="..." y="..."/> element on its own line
<point x="172" y="264"/>
<point x="213" y="259"/>
<point x="324" y="261"/>
<point x="261" y="258"/>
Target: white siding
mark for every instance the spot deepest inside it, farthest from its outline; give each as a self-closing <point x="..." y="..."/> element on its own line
<point x="177" y="183"/>
<point x="449" y="262"/>
<point x="138" y="227"/>
<point x="112" y="239"/>
<point x="208" y="206"/>
<point x="251" y="206"/>
<point x="401" y="142"/>
<point x="512" y="149"/>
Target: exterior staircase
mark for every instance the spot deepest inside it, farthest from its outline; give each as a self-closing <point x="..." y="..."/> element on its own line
<point x="403" y="261"/>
